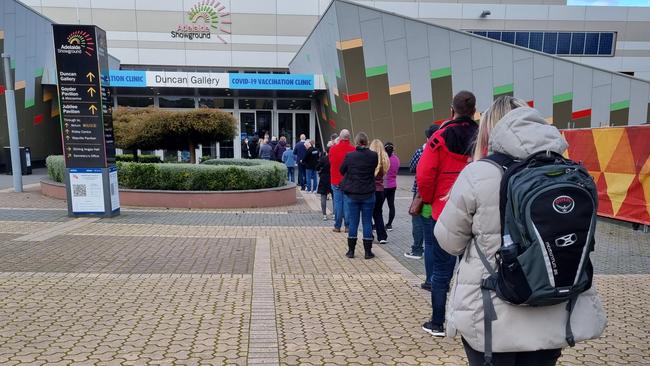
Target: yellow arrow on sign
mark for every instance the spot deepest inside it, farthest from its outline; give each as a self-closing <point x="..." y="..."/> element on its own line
<point x="90" y="76"/>
<point x="92" y="109"/>
<point x="91" y="91"/>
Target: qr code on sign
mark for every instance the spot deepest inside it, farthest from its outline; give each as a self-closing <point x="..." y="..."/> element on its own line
<point x="79" y="190"/>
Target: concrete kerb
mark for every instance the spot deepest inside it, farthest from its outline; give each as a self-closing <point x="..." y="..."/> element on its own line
<point x="270" y="197"/>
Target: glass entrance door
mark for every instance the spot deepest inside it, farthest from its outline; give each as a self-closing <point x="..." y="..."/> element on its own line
<point x="247" y="123"/>
<point x="285" y="127"/>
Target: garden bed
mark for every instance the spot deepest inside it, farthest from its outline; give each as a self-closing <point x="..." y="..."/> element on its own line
<point x="225" y="183"/>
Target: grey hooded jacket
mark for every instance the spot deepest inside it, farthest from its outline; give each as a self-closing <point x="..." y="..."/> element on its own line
<point x="472" y="213"/>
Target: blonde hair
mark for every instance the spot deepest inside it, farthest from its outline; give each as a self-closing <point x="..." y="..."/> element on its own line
<point x="383" y="163"/>
<point x="501" y="106"/>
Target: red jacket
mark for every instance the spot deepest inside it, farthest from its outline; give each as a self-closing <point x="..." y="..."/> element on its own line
<point x="446" y="153"/>
<point x="337" y="154"/>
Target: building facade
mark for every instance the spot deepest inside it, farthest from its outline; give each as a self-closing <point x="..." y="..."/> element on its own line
<point x="256" y="39"/>
<point x="391" y="76"/>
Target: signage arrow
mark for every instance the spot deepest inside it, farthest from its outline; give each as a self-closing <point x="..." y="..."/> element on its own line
<point x="66" y="125"/>
<point x="91" y="91"/>
<point x="90" y="76"/>
<point x="67" y="137"/>
<point x="69" y="149"/>
<point x="69" y="155"/>
<point x="67" y="131"/>
<point x="92" y="109"/>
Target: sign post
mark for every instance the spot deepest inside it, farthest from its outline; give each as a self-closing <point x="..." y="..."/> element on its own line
<point x="86" y="120"/>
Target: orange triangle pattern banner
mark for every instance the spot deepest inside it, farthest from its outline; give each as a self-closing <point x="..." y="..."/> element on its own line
<point x="619" y="160"/>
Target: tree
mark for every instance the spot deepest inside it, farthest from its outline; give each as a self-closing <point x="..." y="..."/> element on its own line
<point x="152" y="128"/>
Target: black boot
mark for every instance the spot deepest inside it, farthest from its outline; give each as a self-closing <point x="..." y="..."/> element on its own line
<point x="367" y="246"/>
<point x="352" y="242"/>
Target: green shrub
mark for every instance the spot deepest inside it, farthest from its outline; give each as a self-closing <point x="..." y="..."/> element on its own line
<point x="213" y="175"/>
<point x="149" y="159"/>
<point x="55" y="168"/>
<point x="141" y="158"/>
<point x="124" y="157"/>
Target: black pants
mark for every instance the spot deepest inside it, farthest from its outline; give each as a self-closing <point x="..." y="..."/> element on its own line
<point x="378" y="216"/>
<point x="547" y="357"/>
<point x="390" y="198"/>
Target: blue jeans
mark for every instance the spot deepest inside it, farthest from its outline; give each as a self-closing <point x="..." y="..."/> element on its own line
<point x="302" y="180"/>
<point x="340" y="207"/>
<point x="440" y="268"/>
<point x="360" y="209"/>
<point x="312" y="180"/>
<point x="417" y="223"/>
<point x="290" y="173"/>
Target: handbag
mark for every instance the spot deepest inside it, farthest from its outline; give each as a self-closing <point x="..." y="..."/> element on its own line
<point x="416" y="205"/>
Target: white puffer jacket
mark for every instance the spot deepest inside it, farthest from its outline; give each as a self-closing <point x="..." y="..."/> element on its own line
<point x="473" y="213"/>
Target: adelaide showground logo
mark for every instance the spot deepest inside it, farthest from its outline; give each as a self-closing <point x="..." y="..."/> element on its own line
<point x="206" y="18"/>
<point x="77" y="43"/>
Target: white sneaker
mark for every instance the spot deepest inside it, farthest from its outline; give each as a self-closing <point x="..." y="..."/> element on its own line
<point x="383" y="241"/>
<point x="412" y="256"/>
<point x="324" y="217"/>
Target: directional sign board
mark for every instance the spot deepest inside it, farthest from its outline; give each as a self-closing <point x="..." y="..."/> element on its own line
<point x="84" y="100"/>
<point x="86" y="119"/>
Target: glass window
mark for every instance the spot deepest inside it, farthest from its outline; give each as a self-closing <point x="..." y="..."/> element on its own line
<point x="175" y="102"/>
<point x="494" y="35"/>
<point x="302" y="124"/>
<point x="264" y="122"/>
<point x="255" y="104"/>
<point x="247" y="123"/>
<point x="226" y="149"/>
<point x="591" y="43"/>
<point x="536" y="41"/>
<point x="578" y="43"/>
<point x="606" y="44"/>
<point x="134" y="91"/>
<point x="285" y="125"/>
<point x="176" y="91"/>
<point x="483" y="34"/>
<point x="550" y="42"/>
<point x="563" y="43"/>
<point x="214" y="92"/>
<point x="301" y="104"/>
<point x="508" y="37"/>
<point x="521" y="39"/>
<point x="216" y="103"/>
<point x="138" y="102"/>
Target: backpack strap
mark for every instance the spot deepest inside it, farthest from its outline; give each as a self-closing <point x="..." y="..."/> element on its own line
<point x="571" y="304"/>
<point x="505" y="163"/>
<point x="489" y="314"/>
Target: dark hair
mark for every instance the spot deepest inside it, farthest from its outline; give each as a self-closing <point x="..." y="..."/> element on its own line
<point x="464" y="103"/>
<point x="361" y="139"/>
<point x="389" y="147"/>
<point x="431" y="130"/>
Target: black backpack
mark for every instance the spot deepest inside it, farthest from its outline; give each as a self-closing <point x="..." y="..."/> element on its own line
<point x="548" y="207"/>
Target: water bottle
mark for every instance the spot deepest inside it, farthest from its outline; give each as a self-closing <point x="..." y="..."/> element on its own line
<point x="509" y="251"/>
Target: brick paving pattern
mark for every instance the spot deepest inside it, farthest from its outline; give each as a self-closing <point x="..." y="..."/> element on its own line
<point x="262" y="286"/>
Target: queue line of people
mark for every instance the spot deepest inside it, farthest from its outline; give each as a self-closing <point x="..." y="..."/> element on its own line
<point x="455" y="213"/>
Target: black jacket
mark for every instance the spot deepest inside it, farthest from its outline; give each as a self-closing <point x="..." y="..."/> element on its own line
<point x="358" y="170"/>
<point x="246" y="151"/>
<point x="324" y="181"/>
<point x="311" y="158"/>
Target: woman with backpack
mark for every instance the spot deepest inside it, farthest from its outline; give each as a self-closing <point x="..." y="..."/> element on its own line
<point x="494" y="331"/>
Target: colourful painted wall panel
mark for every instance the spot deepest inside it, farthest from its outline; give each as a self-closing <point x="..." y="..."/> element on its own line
<point x="619" y="160"/>
<point x="395" y="51"/>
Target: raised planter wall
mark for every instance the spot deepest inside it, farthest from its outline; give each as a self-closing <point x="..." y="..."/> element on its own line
<point x="271" y="197"/>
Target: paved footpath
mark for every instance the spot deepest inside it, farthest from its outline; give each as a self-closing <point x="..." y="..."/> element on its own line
<point x="246" y="287"/>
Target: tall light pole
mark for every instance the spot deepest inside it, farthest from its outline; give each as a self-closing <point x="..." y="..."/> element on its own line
<point x="12" y="122"/>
